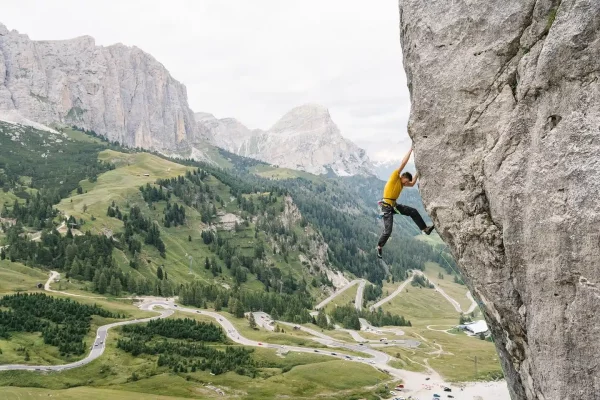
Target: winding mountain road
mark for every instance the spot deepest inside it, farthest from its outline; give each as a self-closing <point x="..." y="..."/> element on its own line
<point x="473" y="305"/>
<point x="97" y="348"/>
<point x="358" y="300"/>
<point x="438" y="289"/>
<point x="394" y="293"/>
<point x="336" y="294"/>
<point x="414" y="382"/>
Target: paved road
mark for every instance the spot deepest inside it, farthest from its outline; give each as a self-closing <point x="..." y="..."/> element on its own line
<point x="473" y="303"/>
<point x="336" y="294"/>
<point x="55" y="276"/>
<point x="394" y="294"/>
<point x="438" y="289"/>
<point x="264" y="320"/>
<point x="96" y="351"/>
<point x="414" y="381"/>
<point x="359" y="294"/>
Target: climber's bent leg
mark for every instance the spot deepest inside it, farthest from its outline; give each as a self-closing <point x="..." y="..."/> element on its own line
<point x="412" y="213"/>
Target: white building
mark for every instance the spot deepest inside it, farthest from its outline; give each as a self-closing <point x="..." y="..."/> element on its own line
<point x="475" y="328"/>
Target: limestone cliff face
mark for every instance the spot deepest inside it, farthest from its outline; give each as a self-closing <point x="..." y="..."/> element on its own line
<point x="506" y="122"/>
<point x="117" y="91"/>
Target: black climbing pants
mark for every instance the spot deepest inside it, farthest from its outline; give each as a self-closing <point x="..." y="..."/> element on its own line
<point x="388" y="220"/>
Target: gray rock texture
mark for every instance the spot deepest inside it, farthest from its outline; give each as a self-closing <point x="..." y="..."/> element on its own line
<point x="117" y="91"/>
<point x="305" y="138"/>
<point x="506" y="124"/>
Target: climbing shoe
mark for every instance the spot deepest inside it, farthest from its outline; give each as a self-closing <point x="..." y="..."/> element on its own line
<point x="428" y="230"/>
<point x="379" y="252"/>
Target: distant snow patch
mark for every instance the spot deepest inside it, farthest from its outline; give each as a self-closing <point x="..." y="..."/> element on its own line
<point x="13" y="117"/>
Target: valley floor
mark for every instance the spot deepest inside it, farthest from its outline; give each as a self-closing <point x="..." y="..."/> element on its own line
<point x="373" y="361"/>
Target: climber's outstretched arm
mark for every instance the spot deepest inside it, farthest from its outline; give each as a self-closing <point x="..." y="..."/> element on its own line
<point x="405" y="160"/>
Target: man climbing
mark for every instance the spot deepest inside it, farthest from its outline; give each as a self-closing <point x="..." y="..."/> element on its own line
<point x="389" y="207"/>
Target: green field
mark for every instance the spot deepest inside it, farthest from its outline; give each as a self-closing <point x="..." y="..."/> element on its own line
<point x="456" y="361"/>
<point x="119" y="185"/>
<point x="422" y="307"/>
<point x="16" y="277"/>
<point x="291" y="337"/>
<point x="348" y="296"/>
<point x="78" y="393"/>
<point x="456" y="291"/>
<point x="296" y="375"/>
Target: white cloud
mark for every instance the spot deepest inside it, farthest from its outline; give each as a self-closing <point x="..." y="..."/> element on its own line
<point x="254" y="60"/>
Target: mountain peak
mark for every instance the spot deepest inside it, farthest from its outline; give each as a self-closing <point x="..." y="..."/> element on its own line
<point x="204" y="116"/>
<point x="305" y="138"/>
<point x="307" y="119"/>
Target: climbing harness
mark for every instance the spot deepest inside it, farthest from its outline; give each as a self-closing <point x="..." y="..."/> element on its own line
<point x="381" y="204"/>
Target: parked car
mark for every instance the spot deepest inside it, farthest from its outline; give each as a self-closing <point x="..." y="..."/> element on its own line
<point x="447" y="389"/>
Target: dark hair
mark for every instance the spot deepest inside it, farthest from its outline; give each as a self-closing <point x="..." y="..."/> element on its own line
<point x="407" y="175"/>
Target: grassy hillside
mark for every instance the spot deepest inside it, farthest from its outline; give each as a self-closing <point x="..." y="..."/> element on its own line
<point x="422" y="307"/>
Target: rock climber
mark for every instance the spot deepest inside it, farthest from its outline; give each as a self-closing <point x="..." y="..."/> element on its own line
<point x="398" y="180"/>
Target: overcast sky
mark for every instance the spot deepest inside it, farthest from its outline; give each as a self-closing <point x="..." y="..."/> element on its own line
<point x="255" y="60"/>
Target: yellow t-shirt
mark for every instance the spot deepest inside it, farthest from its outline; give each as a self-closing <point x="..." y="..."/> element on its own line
<point x="392" y="189"/>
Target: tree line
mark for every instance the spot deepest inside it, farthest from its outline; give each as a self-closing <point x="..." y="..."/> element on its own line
<point x="51" y="165"/>
<point x="62" y="322"/>
<point x="348" y="316"/>
<point x="287" y="307"/>
<point x="188" y="353"/>
<point x="180" y="328"/>
<point x="86" y="257"/>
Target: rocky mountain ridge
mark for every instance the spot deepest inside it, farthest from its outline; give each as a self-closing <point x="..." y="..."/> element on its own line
<point x="126" y="95"/>
<point x="117" y="91"/>
<point x="305" y="138"/>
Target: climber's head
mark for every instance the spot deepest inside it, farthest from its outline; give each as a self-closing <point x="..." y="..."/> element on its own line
<point x="406" y="177"/>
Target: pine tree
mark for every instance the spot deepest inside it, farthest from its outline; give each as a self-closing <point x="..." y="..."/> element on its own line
<point x="238" y="309"/>
<point x="159" y="273"/>
<point x="274" y="314"/>
<point x="102" y="282"/>
<point x="218" y="303"/>
<point x="252" y="321"/>
<point x="115" y="286"/>
<point x="322" y="319"/>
